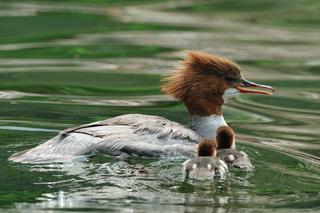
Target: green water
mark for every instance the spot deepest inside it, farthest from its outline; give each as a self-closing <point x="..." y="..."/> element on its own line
<point x="65" y="63"/>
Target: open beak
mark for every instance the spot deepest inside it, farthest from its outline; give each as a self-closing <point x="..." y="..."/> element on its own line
<point x="246" y="87"/>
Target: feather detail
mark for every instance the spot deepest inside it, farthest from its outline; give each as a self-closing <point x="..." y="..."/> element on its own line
<point x="200" y="81"/>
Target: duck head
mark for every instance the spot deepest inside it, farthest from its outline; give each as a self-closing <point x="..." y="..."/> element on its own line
<point x="204" y="81"/>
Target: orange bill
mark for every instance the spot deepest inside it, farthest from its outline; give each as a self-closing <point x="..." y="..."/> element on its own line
<point x="247" y="87"/>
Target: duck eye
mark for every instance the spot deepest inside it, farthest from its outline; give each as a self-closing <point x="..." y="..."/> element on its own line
<point x="229" y="78"/>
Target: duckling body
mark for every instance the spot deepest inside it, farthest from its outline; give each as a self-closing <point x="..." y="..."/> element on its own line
<point x="235" y="158"/>
<point x="204" y="168"/>
<point x="206" y="165"/>
<point x="226" y="150"/>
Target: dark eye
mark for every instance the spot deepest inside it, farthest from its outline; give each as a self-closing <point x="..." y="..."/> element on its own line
<point x="230" y="78"/>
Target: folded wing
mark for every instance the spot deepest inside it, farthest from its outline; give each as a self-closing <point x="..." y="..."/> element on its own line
<point x="132" y="134"/>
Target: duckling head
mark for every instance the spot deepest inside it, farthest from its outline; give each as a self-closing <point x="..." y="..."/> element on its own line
<point x="225" y="138"/>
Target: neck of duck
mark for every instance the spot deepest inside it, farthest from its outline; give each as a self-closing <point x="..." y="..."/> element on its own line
<point x="205" y="115"/>
<point x="206" y="126"/>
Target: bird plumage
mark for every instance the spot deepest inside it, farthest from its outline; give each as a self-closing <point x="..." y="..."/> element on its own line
<point x="202" y="83"/>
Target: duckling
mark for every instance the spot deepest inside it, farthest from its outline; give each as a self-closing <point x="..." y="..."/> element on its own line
<point x="226" y="150"/>
<point x="206" y="165"/>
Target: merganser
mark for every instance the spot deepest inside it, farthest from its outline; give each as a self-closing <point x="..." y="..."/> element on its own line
<point x="226" y="150"/>
<point x="206" y="165"/>
<point x="203" y="82"/>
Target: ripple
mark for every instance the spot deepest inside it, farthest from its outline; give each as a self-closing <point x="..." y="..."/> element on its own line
<point x="15" y="94"/>
<point x="40" y="96"/>
<point x="111" y="183"/>
<point x="20" y="128"/>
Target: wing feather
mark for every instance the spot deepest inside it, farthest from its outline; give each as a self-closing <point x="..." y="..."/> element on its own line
<point x="133" y="134"/>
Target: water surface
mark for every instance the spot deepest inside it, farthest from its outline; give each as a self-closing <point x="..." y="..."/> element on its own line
<point x="67" y="63"/>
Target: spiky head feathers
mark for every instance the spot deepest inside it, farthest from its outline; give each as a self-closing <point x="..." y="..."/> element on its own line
<point x="200" y="82"/>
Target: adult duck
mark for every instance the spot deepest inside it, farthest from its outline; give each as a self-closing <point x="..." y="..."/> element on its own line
<point x="202" y="82"/>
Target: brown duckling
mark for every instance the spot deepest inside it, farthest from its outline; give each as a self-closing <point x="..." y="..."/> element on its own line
<point x="206" y="165"/>
<point x="226" y="150"/>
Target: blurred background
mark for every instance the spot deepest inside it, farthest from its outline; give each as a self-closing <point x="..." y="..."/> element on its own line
<point x="64" y="63"/>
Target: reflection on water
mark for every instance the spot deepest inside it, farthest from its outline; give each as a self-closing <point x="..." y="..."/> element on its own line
<point x="64" y="64"/>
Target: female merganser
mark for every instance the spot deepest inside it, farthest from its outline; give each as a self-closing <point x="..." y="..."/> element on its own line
<point x="206" y="165"/>
<point x="226" y="150"/>
<point x="203" y="82"/>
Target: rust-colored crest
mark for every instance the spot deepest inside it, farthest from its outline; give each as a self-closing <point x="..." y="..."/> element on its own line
<point x="200" y="82"/>
<point x="207" y="147"/>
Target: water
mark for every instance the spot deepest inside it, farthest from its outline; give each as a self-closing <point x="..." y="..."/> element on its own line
<point x="65" y="64"/>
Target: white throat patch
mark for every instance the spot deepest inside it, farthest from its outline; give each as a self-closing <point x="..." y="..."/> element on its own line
<point x="229" y="93"/>
<point x="206" y="126"/>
